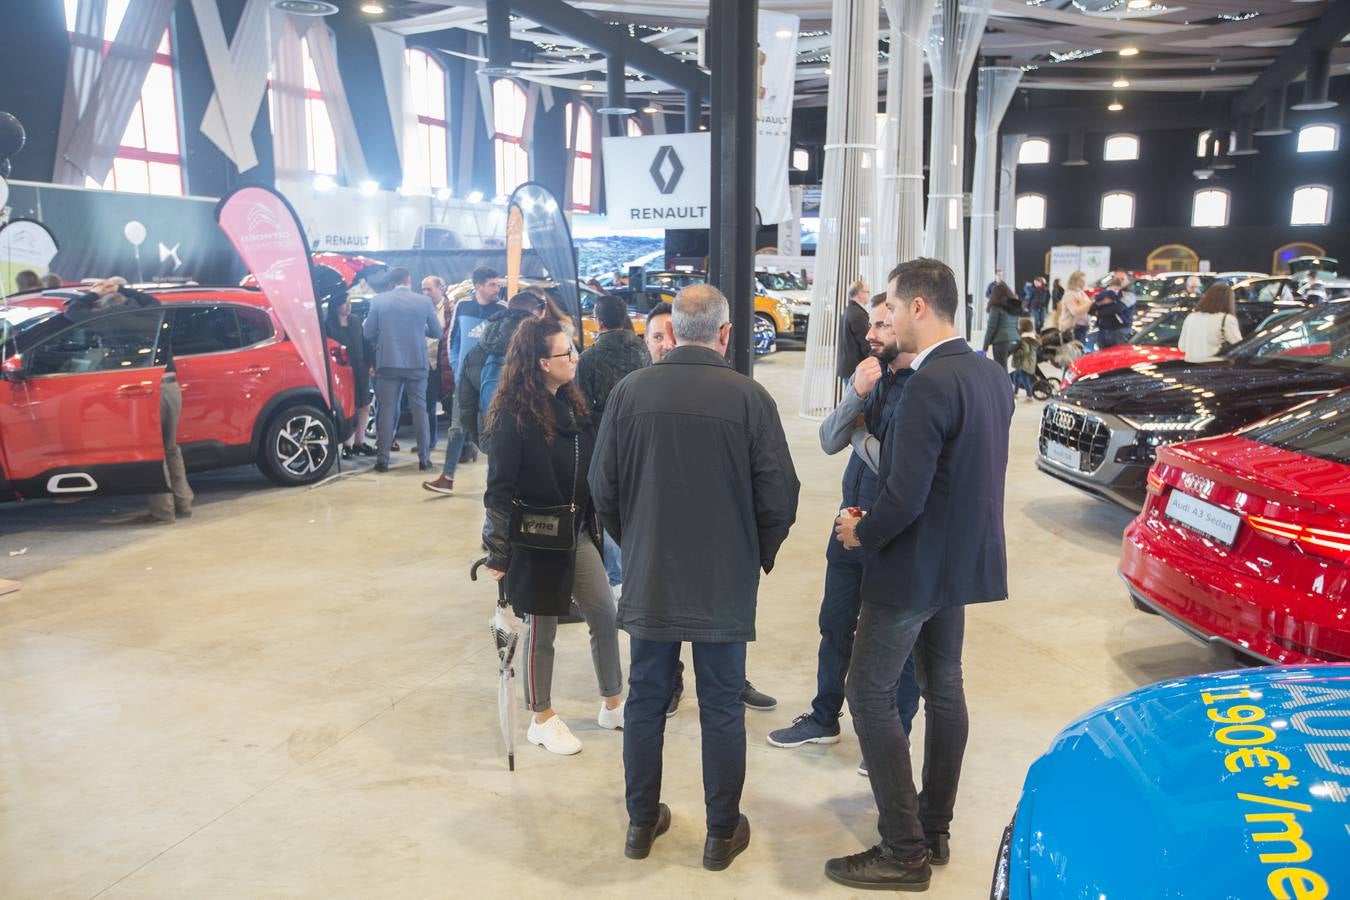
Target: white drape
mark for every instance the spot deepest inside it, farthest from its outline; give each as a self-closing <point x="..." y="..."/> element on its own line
<point x="289" y="139"/>
<point x="239" y="73"/>
<point x="351" y="158"/>
<point x="953" y="42"/>
<point x="899" y="218"/>
<point x="86" y="55"/>
<point x="93" y="139"/>
<point x="848" y="194"/>
<point x="995" y="90"/>
<point x="1007" y="204"/>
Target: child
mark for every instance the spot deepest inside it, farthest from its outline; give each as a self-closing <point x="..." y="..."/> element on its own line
<point x="1024" y="357"/>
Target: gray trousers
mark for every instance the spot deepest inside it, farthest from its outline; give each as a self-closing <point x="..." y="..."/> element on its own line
<point x="590" y="588"/>
<point x="179" y="498"/>
<point x="387" y="384"/>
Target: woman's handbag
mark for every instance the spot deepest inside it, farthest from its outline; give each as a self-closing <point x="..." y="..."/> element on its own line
<point x="548" y="527"/>
<point x="1224" y="344"/>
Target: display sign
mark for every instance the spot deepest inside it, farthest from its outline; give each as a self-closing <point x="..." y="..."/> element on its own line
<point x="659" y="181"/>
<point x="773" y="145"/>
<point x="1094" y="262"/>
<point x="24" y="244"/>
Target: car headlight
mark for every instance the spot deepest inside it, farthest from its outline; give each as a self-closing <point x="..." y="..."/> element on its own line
<point x="1168" y="423"/>
<point x="783" y="310"/>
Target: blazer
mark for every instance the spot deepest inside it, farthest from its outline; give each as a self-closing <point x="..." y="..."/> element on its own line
<point x="935" y="536"/>
<point x="398" y="324"/>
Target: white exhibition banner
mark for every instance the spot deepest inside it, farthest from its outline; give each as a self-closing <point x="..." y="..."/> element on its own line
<point x="1094" y="262"/>
<point x="24" y="244"/>
<point x="658" y="181"/>
<point x="773" y="146"/>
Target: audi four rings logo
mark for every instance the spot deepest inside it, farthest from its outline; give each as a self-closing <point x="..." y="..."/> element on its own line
<point x="1064" y="419"/>
<point x="666" y="183"/>
<point x="1192" y="483"/>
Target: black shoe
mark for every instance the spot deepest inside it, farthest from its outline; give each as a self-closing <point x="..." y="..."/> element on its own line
<point x="679" y="690"/>
<point x="364" y="450"/>
<point x="424" y="465"/>
<point x="939" y="854"/>
<point x="719" y="852"/>
<point x="347" y="452"/>
<point x="382" y="467"/>
<point x="876" y="869"/>
<point x="394" y="446"/>
<point x="641" y="837"/>
<point x="757" y="699"/>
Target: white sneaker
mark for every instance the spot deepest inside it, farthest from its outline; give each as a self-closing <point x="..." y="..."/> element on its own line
<point x="553" y="735"/>
<point x="611" y="718"/>
<point x="617" y="591"/>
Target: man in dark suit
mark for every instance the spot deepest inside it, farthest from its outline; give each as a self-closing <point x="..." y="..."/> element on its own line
<point x="853" y="325"/>
<point x="934" y="543"/>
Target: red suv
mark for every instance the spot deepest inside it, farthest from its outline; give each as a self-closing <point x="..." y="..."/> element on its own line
<point x="1244" y="541"/>
<point x="79" y="402"/>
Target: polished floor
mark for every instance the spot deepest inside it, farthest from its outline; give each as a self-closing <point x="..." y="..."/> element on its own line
<point x="293" y="695"/>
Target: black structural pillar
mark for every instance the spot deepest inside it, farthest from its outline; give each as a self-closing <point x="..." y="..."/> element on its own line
<point x="733" y="58"/>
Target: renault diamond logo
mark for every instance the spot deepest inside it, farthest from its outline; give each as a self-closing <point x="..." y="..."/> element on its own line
<point x="666" y="160"/>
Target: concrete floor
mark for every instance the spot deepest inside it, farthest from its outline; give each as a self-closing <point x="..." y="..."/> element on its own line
<point x="293" y="695"/>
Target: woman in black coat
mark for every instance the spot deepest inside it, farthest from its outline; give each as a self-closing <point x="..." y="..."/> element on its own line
<point x="539" y="440"/>
<point x="345" y="328"/>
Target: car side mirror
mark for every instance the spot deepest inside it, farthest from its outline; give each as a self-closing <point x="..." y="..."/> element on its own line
<point x="12" y="369"/>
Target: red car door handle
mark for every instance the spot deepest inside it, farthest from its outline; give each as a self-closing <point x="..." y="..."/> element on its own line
<point x="134" y="390"/>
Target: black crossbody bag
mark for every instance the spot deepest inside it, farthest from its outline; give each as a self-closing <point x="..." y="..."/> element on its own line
<point x="548" y="527"/>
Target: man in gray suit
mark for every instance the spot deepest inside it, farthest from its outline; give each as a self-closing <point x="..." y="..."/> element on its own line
<point x="398" y="324"/>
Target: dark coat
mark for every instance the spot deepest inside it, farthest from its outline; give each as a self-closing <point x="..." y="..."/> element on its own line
<point x="935" y="535"/>
<point x="853" y="347"/>
<point x="470" y="395"/>
<point x="522" y="466"/>
<point x="605" y="363"/>
<point x="1000" y="328"/>
<point x="693" y="478"/>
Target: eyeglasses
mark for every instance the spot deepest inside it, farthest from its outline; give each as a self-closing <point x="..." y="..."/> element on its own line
<point x="571" y="352"/>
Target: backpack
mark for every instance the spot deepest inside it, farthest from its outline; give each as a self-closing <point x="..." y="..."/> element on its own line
<point x="488" y="378"/>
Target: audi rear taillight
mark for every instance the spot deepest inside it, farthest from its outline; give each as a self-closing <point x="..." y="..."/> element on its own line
<point x="1155" y="483"/>
<point x="1325" y="542"/>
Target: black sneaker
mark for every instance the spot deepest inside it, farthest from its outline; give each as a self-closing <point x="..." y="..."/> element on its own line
<point x="876" y="869"/>
<point x="641" y="837"/>
<point x="719" y="852"/>
<point x="939" y="854"/>
<point x="757" y="699"/>
<point x="678" y="692"/>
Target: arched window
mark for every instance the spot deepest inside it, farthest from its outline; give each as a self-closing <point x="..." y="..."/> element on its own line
<point x="149" y="157"/>
<point x="801" y="159"/>
<point x="1030" y="212"/>
<point x="1034" y="151"/>
<point x="1120" y="147"/>
<point x="1280" y="262"/>
<point x="508" y="122"/>
<point x="580" y="138"/>
<point x="426" y="88"/>
<point x="634" y="127"/>
<point x="1117" y="210"/>
<point x="1210" y="209"/>
<point x="1202" y="143"/>
<point x="1318" y="138"/>
<point x="1312" y="205"/>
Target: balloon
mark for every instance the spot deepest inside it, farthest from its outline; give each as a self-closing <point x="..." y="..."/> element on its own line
<point x="134" y="232"/>
<point x="11" y="135"/>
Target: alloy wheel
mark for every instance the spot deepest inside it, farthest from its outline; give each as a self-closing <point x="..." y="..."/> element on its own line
<point x="303" y="445"/>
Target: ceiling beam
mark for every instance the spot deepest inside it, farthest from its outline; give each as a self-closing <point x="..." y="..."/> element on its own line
<point x="1323" y="34"/>
<point x="1138" y="116"/>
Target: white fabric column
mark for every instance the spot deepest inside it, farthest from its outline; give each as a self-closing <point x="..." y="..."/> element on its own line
<point x="1007" y="204"/>
<point x="953" y="43"/>
<point x="86" y="56"/>
<point x="289" y="141"/>
<point x="848" y="193"/>
<point x="351" y="158"/>
<point x="92" y="142"/>
<point x="391" y="47"/>
<point x="997" y="84"/>
<point x="239" y="70"/>
<point x="900" y="155"/>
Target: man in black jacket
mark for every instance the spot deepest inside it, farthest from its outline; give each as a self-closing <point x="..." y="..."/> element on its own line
<point x="853" y="325"/>
<point x="934" y="542"/>
<point x="692" y="476"/>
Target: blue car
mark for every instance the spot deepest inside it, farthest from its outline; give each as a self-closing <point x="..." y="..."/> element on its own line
<point x="1234" y="785"/>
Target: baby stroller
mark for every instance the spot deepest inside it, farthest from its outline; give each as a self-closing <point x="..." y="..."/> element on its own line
<point x="1055" y="354"/>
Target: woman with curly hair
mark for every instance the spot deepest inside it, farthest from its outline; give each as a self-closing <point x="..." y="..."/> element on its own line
<point x="539" y="440"/>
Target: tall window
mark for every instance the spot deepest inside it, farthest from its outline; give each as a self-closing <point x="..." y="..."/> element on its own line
<point x="1318" y="138"/>
<point x="1312" y="205"/>
<point x="580" y="138"/>
<point x="1034" y="151"/>
<point x="1118" y="210"/>
<point x="1210" y="209"/>
<point x="1030" y="212"/>
<point x="1202" y="143"/>
<point x="149" y="157"/>
<point x="1120" y="147"/>
<point x="508" y="118"/>
<point x="426" y="87"/>
<point x="320" y="139"/>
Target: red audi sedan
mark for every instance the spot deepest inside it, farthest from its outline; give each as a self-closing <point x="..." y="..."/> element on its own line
<point x="1244" y="541"/>
<point x="79" y="401"/>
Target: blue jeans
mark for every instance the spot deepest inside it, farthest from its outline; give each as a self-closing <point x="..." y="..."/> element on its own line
<point x="1022" y="380"/>
<point x="1080" y="334"/>
<point x="838" y="622"/>
<point x="719" y="676"/>
<point x="886" y="636"/>
<point x="454" y="439"/>
<point x="613" y="561"/>
<point x="1113" y="337"/>
<point x="1038" y="317"/>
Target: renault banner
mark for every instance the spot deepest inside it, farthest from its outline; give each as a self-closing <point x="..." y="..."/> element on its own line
<point x="660" y="181"/>
<point x="777" y="78"/>
<point x="266" y="232"/>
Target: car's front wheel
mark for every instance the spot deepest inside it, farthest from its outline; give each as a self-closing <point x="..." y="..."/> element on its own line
<point x="299" y="446"/>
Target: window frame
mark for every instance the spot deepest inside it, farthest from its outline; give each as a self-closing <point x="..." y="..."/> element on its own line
<point x="428" y="125"/>
<point x="503" y="141"/>
<point x="1101" y="216"/>
<point x="1123" y="135"/>
<point x="151" y="359"/>
<point x="1313" y="126"/>
<point x="576" y="157"/>
<point x="1326" y="206"/>
<point x="1026" y="142"/>
<point x="1017" y="211"/>
<point x="1227" y="207"/>
<point x="1202" y="143"/>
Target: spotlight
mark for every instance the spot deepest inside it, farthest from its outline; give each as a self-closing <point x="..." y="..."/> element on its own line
<point x="1120" y="83"/>
<point x="651" y="110"/>
<point x="500" y="199"/>
<point x="369" y="187"/>
<point x="443" y="194"/>
<point x="1129" y="51"/>
<point x="372" y="9"/>
<point x="827" y="73"/>
<point x="783" y="33"/>
<point x="1115" y="106"/>
<point x="324" y="183"/>
<point x="475" y="197"/>
<point x="585" y="86"/>
<point x="1139" y="4"/>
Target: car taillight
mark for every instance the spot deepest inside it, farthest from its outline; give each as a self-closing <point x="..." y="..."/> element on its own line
<point x="1318" y="541"/>
<point x="1155" y="483"/>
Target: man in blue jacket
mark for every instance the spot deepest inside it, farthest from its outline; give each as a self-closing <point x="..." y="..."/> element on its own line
<point x="934" y="542"/>
<point x="398" y="324"/>
<point x="861" y="421"/>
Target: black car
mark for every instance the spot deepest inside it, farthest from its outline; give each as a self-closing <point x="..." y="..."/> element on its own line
<point x="1100" y="433"/>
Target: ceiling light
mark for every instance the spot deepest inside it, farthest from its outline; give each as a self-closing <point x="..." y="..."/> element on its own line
<point x="1139" y="4"/>
<point x="475" y="197"/>
<point x="1115" y="106"/>
<point x="1120" y="83"/>
<point x="372" y="9"/>
<point x="783" y="33"/>
<point x="585" y="86"/>
<point x="1129" y="51"/>
<point x="324" y="183"/>
<point x="651" y="110"/>
<point x="827" y="72"/>
<point x="443" y="194"/>
<point x="369" y="187"/>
